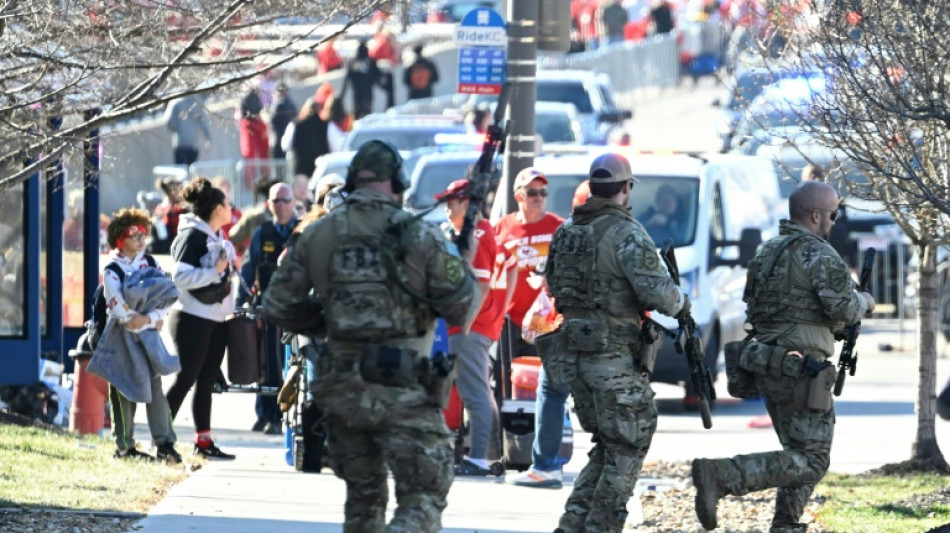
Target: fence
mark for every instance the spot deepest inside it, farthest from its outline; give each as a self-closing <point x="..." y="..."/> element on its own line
<point x="241" y="174"/>
<point x="650" y="63"/>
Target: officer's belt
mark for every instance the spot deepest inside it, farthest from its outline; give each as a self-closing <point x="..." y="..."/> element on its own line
<point x="393" y="367"/>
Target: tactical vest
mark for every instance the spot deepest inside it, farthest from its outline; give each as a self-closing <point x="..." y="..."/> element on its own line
<point x="771" y="297"/>
<point x="272" y="244"/>
<point x="366" y="301"/>
<point x="578" y="279"/>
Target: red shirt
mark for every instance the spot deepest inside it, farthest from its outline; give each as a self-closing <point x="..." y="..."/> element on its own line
<point x="253" y="138"/>
<point x="489" y="265"/>
<point x="327" y="58"/>
<point x="529" y="244"/>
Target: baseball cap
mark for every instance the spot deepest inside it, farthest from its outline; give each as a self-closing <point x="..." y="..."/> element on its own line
<point x="456" y="189"/>
<point x="611" y="168"/>
<point x="528" y="175"/>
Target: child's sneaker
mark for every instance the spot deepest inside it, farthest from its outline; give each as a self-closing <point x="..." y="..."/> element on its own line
<point x="168" y="454"/>
<point x="212" y="452"/>
<point x="537" y="478"/>
<point x="133" y="454"/>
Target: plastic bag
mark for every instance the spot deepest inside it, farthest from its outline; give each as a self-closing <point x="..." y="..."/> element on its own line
<point x="541" y="318"/>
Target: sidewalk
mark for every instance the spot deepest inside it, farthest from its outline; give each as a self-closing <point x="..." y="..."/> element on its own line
<point x="260" y="493"/>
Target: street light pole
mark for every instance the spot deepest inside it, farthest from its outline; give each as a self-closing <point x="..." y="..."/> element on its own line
<point x="521" y="71"/>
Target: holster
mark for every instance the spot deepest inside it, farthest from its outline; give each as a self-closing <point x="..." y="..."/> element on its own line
<point x="739" y="382"/>
<point x="438" y="375"/>
<point x="651" y="340"/>
<point x="560" y="362"/>
<point x="393" y="367"/>
<point x="819" y="397"/>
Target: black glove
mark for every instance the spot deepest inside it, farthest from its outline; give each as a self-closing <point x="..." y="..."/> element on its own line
<point x="847" y="331"/>
<point x="685" y="310"/>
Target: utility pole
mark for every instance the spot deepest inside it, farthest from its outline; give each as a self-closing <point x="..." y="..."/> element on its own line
<point x="523" y="16"/>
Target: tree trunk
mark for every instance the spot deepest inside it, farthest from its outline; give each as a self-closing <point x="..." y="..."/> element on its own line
<point x="925" y="448"/>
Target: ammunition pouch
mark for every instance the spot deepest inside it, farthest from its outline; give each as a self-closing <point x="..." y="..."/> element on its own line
<point x="766" y="360"/>
<point x="560" y="362"/>
<point x="820" y="384"/>
<point x="651" y="339"/>
<point x="739" y="381"/>
<point x="392" y="367"/>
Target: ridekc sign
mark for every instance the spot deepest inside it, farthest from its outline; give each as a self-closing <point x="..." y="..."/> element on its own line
<point x="482" y="38"/>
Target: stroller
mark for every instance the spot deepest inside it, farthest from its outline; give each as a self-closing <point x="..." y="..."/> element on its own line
<point x="306" y="433"/>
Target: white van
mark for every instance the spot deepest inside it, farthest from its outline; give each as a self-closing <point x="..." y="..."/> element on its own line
<point x="726" y="206"/>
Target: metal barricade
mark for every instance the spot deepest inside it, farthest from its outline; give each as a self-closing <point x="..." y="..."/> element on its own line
<point x="212" y="169"/>
<point x="650" y="63"/>
<point x="887" y="283"/>
<point x="179" y="172"/>
<point x="249" y="172"/>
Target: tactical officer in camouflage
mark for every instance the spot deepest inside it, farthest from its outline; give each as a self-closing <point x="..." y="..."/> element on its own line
<point x="604" y="272"/>
<point x="800" y="295"/>
<point x="384" y="278"/>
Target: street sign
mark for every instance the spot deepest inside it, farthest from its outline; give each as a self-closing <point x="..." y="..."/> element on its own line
<point x="482" y="38"/>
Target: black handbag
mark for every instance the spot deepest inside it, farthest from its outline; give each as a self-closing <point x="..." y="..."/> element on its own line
<point x="214" y="293"/>
<point x="244" y="349"/>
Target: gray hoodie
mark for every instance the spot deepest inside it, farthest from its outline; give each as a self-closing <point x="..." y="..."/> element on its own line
<point x="195" y="257"/>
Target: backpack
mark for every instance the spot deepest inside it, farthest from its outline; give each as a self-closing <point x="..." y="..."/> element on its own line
<point x="97" y="323"/>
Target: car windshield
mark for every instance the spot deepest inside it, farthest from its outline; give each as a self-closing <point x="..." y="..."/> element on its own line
<point x="667" y="208"/>
<point x="748" y="86"/>
<point x="570" y="92"/>
<point x="554" y="127"/>
<point x="789" y="172"/>
<point x="435" y="178"/>
<point x="403" y="139"/>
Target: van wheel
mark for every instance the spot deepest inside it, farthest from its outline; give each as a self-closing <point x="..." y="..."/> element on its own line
<point x="691" y="400"/>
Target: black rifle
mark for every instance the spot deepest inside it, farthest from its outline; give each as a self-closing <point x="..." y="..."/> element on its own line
<point x="690" y="343"/>
<point x="848" y="360"/>
<point x="479" y="184"/>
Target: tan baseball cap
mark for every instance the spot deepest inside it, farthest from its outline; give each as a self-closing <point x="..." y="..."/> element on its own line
<point x="611" y="168"/>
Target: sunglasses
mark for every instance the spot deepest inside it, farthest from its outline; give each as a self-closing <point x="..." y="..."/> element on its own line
<point x="532" y="193"/>
<point x="281" y="200"/>
<point x="832" y="215"/>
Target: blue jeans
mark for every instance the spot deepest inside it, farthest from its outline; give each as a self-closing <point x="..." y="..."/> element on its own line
<point x="548" y="424"/>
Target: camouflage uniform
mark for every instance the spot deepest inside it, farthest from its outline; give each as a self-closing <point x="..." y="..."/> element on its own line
<point x="376" y="331"/>
<point x="799" y="304"/>
<point x="603" y="271"/>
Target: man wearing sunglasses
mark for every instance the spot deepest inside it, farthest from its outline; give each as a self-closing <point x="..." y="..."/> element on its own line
<point x="267" y="243"/>
<point x="800" y="294"/>
<point x="527" y="235"/>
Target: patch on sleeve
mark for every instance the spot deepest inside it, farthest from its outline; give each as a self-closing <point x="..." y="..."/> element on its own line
<point x="838" y="280"/>
<point x="452" y="267"/>
<point x="649" y="260"/>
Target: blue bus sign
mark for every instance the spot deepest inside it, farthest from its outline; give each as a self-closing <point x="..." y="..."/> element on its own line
<point x="482" y="40"/>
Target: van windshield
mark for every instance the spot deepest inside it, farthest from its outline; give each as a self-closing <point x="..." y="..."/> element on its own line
<point x="667" y="208"/>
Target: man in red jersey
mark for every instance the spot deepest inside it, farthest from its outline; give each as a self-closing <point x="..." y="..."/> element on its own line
<point x="527" y="234"/>
<point x="472" y="343"/>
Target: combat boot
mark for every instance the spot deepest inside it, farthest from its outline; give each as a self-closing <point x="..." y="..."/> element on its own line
<point x="707" y="492"/>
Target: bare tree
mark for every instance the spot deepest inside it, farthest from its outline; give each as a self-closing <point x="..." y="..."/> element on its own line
<point x="886" y="107"/>
<point x="68" y="67"/>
